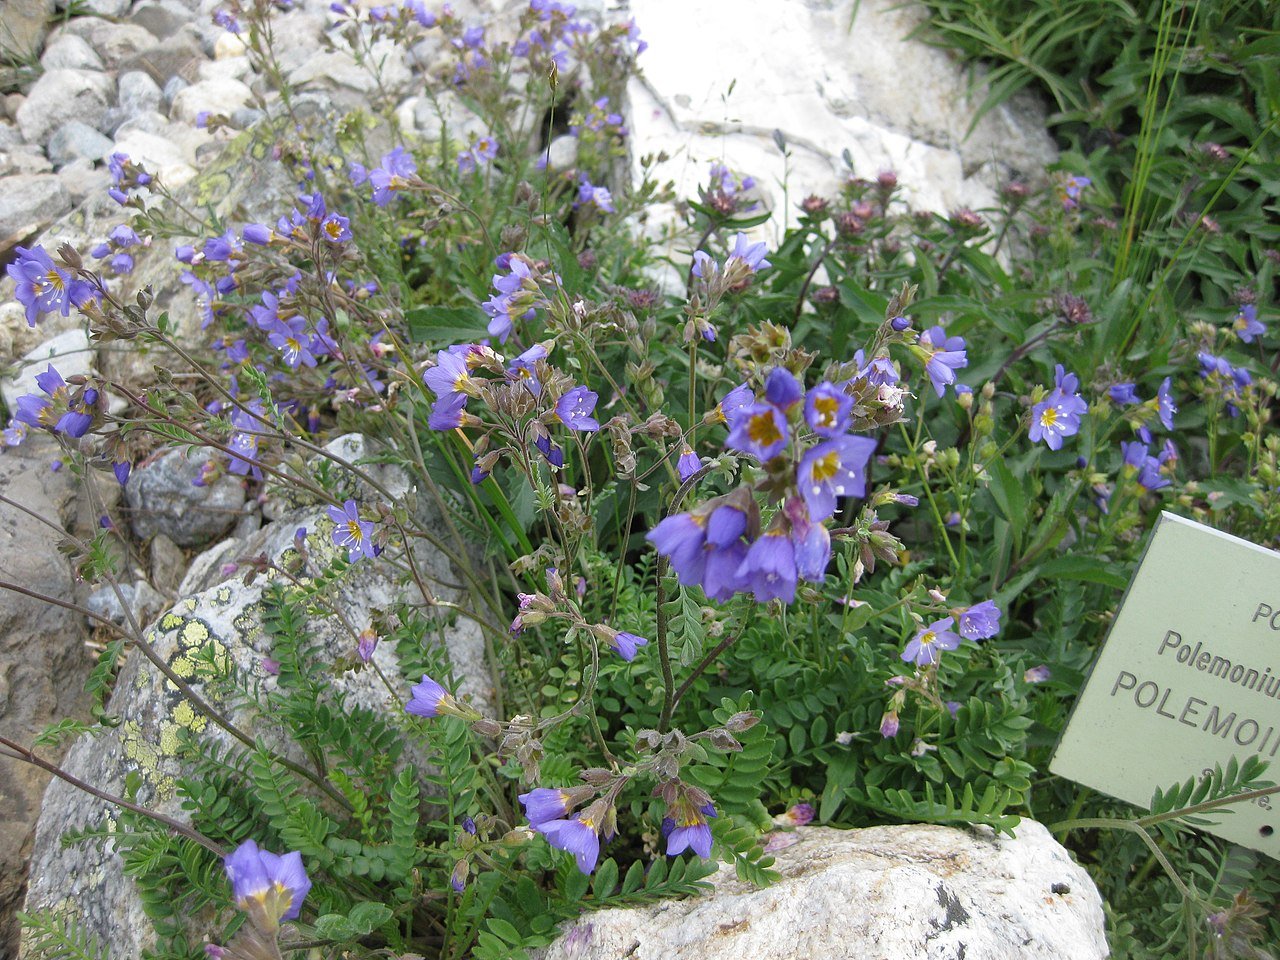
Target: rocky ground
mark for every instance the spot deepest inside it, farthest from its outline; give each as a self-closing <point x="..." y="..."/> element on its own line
<point x="136" y="78"/>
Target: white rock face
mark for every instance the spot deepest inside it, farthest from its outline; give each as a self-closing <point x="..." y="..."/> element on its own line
<point x="61" y="96"/>
<point x="883" y="893"/>
<point x="800" y="68"/>
<point x="70" y="53"/>
<point x="224" y="96"/>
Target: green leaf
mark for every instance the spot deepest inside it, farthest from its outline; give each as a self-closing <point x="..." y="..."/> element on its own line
<point x="446" y="324"/>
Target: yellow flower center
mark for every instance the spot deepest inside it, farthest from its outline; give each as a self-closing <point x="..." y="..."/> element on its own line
<point x="55" y="279"/>
<point x="763" y="430"/>
<point x="826" y="410"/>
<point x="334" y="229"/>
<point x="825" y="467"/>
<point x="354" y="533"/>
<point x="1049" y="417"/>
<point x="928" y="638"/>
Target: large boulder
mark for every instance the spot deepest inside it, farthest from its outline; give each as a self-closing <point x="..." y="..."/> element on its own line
<point x="43" y="661"/>
<point x="832" y="77"/>
<point x="225" y="622"/>
<point x="165" y="497"/>
<point x="914" y="891"/>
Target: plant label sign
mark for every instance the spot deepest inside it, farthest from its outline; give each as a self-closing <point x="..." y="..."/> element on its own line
<point x="1189" y="676"/>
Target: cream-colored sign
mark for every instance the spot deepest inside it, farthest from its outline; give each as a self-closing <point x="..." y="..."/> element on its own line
<point x="1188" y="677"/>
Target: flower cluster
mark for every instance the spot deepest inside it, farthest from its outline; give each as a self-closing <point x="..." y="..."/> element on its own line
<point x="720" y="546"/>
<point x="117" y="245"/>
<point x="1150" y="471"/>
<point x="728" y="193"/>
<point x="60" y="410"/>
<point x="518" y="294"/>
<point x="1230" y="381"/>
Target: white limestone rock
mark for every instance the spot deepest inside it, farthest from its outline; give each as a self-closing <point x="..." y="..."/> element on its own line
<point x="827" y="86"/>
<point x="221" y="96"/>
<point x="61" y="96"/>
<point x="114" y="42"/>
<point x="914" y="891"/>
<point x="29" y="202"/>
<point x="77" y="141"/>
<point x="70" y="53"/>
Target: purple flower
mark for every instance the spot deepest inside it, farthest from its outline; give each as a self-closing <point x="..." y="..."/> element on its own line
<point x="352" y="532"/>
<point x="736" y="400"/>
<point x="448" y="412"/>
<point x="336" y="228"/>
<point x="577" y="835"/>
<point x="1036" y="674"/>
<point x="760" y="430"/>
<point x="450" y="375"/>
<point x="813" y="552"/>
<point x="980" y="622"/>
<point x="769" y="568"/>
<point x="680" y="538"/>
<point x="1058" y="415"/>
<point x="782" y="389"/>
<point x="1247" y="325"/>
<point x="834" y="468"/>
<point x="691" y="831"/>
<point x="268" y="886"/>
<point x="688" y="464"/>
<point x="826" y="410"/>
<point x="366" y="645"/>
<point x="121" y="470"/>
<point x="925" y="646"/>
<point x="73" y="417"/>
<point x="291" y="338"/>
<point x="751" y="254"/>
<point x="543" y="804"/>
<point x="1123" y="393"/>
<point x="943" y="357"/>
<point x="393" y="174"/>
<point x="1165" y="405"/>
<point x="889" y="725"/>
<point x="599" y="196"/>
<point x="626" y="644"/>
<point x="42" y="287"/>
<point x="257" y="233"/>
<point x="574" y="409"/>
<point x="428" y="697"/>
<point x="1069" y="191"/>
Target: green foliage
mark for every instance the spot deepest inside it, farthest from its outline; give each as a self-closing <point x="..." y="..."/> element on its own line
<point x="48" y="936"/>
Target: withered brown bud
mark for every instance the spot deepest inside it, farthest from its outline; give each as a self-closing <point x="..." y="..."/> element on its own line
<point x="722" y="739"/>
<point x="741" y="722"/>
<point x="596" y="776"/>
<point x="513" y="237"/>
<point x="648" y="740"/>
<point x="70" y="256"/>
<point x="486" y="727"/>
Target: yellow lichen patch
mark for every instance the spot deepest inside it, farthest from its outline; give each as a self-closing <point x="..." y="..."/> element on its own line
<point x="223" y="596"/>
<point x="194" y="634"/>
<point x="184" y="715"/>
<point x="170" y="621"/>
<point x="190" y="604"/>
<point x="169" y="739"/>
<point x="138" y="750"/>
<point x="183" y="667"/>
